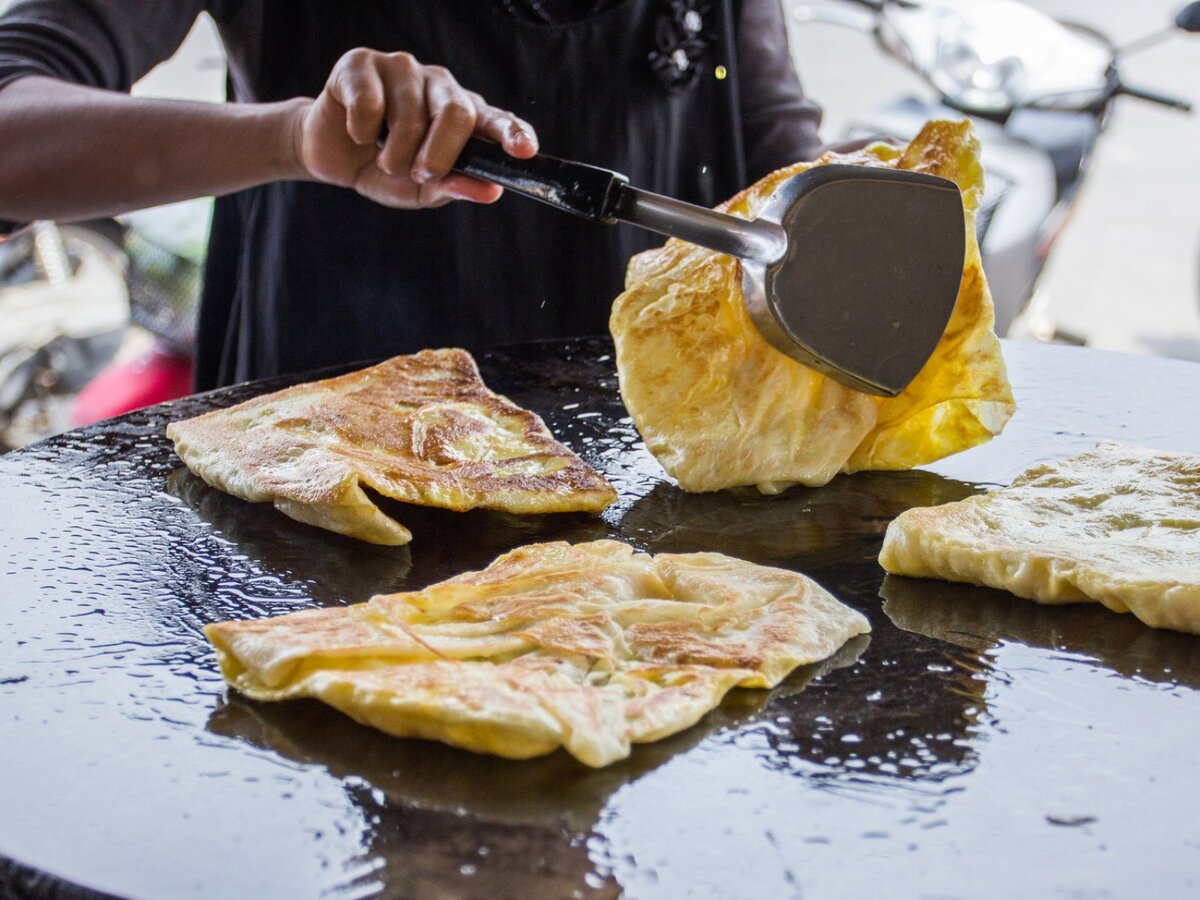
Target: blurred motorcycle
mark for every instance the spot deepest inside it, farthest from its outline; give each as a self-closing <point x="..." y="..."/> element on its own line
<point x="98" y="318"/>
<point x="166" y="247"/>
<point x="64" y="312"/>
<point x="1039" y="92"/>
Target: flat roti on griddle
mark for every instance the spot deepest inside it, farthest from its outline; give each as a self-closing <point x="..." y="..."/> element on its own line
<point x="423" y="429"/>
<point x="719" y="406"/>
<point x="590" y="647"/>
<point x="1116" y="525"/>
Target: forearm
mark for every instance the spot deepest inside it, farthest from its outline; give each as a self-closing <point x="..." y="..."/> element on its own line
<point x="780" y="125"/>
<point x="71" y="152"/>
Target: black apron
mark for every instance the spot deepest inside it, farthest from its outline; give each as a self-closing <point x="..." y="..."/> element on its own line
<point x="303" y="275"/>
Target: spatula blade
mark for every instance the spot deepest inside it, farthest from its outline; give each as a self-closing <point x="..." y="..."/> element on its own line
<point x="871" y="275"/>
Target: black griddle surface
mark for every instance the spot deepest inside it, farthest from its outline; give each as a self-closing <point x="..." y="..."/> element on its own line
<point x="975" y="745"/>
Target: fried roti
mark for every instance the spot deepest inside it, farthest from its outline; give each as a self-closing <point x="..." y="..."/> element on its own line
<point x="423" y="429"/>
<point x="1117" y="525"/>
<point x="591" y="647"/>
<point x="719" y="406"/>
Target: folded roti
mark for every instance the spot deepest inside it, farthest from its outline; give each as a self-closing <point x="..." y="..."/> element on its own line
<point x="1117" y="525"/>
<point x="591" y="647"/>
<point x="423" y="429"/>
<point x="719" y="406"/>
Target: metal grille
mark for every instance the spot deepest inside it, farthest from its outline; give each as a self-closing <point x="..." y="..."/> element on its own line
<point x="164" y="291"/>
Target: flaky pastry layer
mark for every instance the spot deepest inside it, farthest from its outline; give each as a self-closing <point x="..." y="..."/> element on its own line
<point x="423" y="429"/>
<point x="1117" y="525"/>
<point x="590" y="647"/>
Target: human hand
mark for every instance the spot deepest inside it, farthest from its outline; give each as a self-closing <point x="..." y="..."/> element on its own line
<point x="429" y="118"/>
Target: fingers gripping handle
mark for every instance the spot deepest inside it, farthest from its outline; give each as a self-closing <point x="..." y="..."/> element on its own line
<point x="573" y="187"/>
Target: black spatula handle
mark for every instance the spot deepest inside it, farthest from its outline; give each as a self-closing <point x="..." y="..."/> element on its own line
<point x="573" y="187"/>
<point x="584" y="190"/>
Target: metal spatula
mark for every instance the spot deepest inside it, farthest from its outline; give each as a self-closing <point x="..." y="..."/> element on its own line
<point x="850" y="270"/>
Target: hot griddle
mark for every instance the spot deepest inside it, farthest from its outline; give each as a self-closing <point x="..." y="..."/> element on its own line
<point x="973" y="745"/>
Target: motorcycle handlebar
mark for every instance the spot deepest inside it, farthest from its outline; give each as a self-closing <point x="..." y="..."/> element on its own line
<point x="1154" y="97"/>
<point x="878" y="5"/>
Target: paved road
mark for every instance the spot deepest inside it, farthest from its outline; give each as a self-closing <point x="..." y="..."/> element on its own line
<point x="1125" y="272"/>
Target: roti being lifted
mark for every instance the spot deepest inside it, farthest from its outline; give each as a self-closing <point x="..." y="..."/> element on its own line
<point x="423" y="429"/>
<point x="1117" y="525"/>
<point x="591" y="647"/>
<point x="719" y="406"/>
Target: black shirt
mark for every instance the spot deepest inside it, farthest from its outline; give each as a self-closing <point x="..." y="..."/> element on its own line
<point x="304" y="275"/>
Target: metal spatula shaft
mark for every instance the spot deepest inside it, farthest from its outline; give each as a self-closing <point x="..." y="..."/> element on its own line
<point x="851" y="270"/>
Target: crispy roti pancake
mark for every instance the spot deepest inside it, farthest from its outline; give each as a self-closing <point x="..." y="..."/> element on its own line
<point x="1117" y="525"/>
<point x="423" y="429"/>
<point x="719" y="406"/>
<point x="591" y="647"/>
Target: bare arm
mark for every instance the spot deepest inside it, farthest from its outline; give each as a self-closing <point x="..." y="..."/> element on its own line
<point x="72" y="152"/>
<point x="779" y="123"/>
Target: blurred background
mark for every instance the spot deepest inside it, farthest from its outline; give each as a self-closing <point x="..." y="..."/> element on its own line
<point x="1126" y="273"/>
<point x="1123" y="274"/>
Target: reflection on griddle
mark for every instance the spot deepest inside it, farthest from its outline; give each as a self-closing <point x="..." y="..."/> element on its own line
<point x="435" y="810"/>
<point x="448" y="543"/>
<point x="337" y="569"/>
<point x="548" y="790"/>
<point x="980" y="618"/>
<point x="801" y="528"/>
<point x="905" y="716"/>
<point x="344" y="570"/>
<point x="875" y="721"/>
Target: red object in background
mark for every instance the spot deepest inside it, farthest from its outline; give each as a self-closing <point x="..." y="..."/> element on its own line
<point x="154" y="377"/>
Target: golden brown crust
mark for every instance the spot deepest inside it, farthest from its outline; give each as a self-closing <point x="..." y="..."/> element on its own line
<point x="422" y="429"/>
<point x="591" y="647"/>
